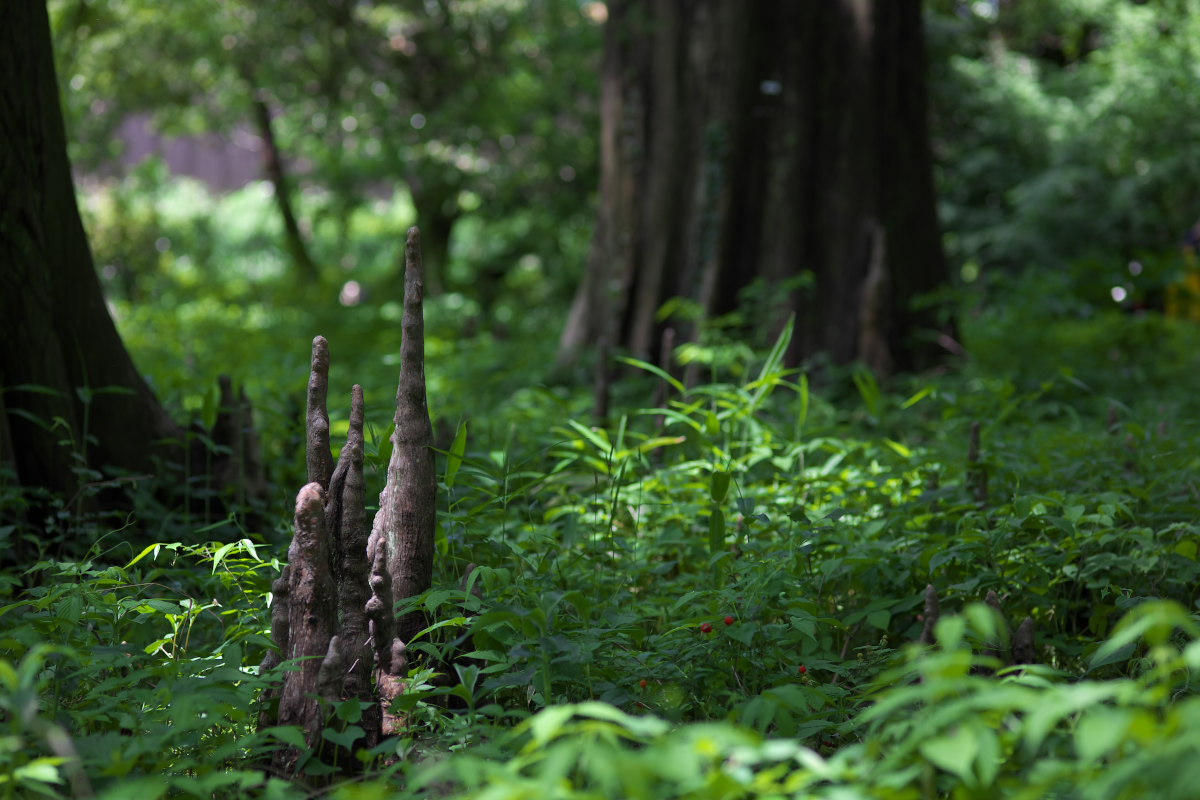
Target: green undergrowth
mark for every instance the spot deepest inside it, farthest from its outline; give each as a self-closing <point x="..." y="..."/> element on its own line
<point x="718" y="595"/>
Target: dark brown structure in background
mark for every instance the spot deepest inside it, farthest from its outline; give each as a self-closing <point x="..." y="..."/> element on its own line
<point x="74" y="410"/>
<point x="745" y="141"/>
<point x="55" y="330"/>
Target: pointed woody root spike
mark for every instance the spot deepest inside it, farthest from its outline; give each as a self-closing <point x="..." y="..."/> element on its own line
<point x="1023" y="650"/>
<point x="408" y="504"/>
<point x="351" y="566"/>
<point x="311" y="619"/>
<point x="318" y="455"/>
<point x="995" y="649"/>
<point x="931" y="615"/>
<point x="977" y="477"/>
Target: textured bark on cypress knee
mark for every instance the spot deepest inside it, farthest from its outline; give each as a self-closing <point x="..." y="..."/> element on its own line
<point x="310" y="620"/>
<point x="334" y="602"/>
<point x="408" y="503"/>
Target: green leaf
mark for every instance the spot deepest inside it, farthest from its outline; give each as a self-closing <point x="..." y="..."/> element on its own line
<point x="597" y="436"/>
<point x="1100" y="731"/>
<point x="659" y="441"/>
<point x="881" y="619"/>
<point x="546" y="724"/>
<point x="288" y="734"/>
<point x="232" y="656"/>
<point x="453" y="622"/>
<point x="774" y="362"/>
<point x="1154" y="620"/>
<point x="653" y="370"/>
<point x="802" y="414"/>
<point x="43" y="769"/>
<point x="208" y="412"/>
<point x="918" y="397"/>
<point x="150" y="549"/>
<point x="716" y="531"/>
<point x="222" y="551"/>
<point x="455" y="458"/>
<point x="718" y="486"/>
<point x="345" y="738"/>
<point x="955" y="753"/>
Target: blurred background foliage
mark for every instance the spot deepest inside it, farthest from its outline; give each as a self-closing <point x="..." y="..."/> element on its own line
<point x="1065" y="130"/>
<point x="1063" y="134"/>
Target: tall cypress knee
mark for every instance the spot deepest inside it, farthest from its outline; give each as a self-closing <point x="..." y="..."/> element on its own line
<point x="408" y="503"/>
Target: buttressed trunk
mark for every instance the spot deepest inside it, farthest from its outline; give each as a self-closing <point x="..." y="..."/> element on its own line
<point x="774" y="145"/>
<point x="73" y="402"/>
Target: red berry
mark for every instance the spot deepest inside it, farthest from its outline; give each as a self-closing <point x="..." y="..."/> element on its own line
<point x="642" y="683"/>
<point x="729" y="620"/>
<point x="803" y="669"/>
<point x="706" y="627"/>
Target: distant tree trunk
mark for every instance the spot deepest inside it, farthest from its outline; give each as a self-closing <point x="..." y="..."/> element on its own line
<point x="436" y="202"/>
<point x="745" y="142"/>
<point x="306" y="268"/>
<point x="55" y="330"/>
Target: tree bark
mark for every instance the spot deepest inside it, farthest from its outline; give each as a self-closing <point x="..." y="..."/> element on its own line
<point x="745" y="142"/>
<point x="334" y="603"/>
<point x="408" y="504"/>
<point x="65" y="373"/>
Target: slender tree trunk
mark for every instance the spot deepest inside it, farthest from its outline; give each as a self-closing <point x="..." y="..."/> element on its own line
<point x="66" y="375"/>
<point x="746" y="143"/>
<point x="273" y="165"/>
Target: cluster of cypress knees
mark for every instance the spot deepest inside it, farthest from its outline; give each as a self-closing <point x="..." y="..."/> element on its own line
<point x="332" y="615"/>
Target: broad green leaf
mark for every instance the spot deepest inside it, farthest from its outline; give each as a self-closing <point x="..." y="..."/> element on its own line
<point x="1187" y="548"/>
<point x="1154" y="620"/>
<point x="288" y="734"/>
<point x="659" y="441"/>
<point x="1100" y="731"/>
<point x="718" y="486"/>
<point x="222" y="551"/>
<point x="345" y="738"/>
<point x="546" y="724"/>
<point x="955" y="753"/>
<point x="802" y="414"/>
<point x="44" y="769"/>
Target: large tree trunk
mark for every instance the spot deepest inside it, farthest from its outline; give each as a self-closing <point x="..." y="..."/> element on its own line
<point x="66" y="374"/>
<point x="757" y="141"/>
